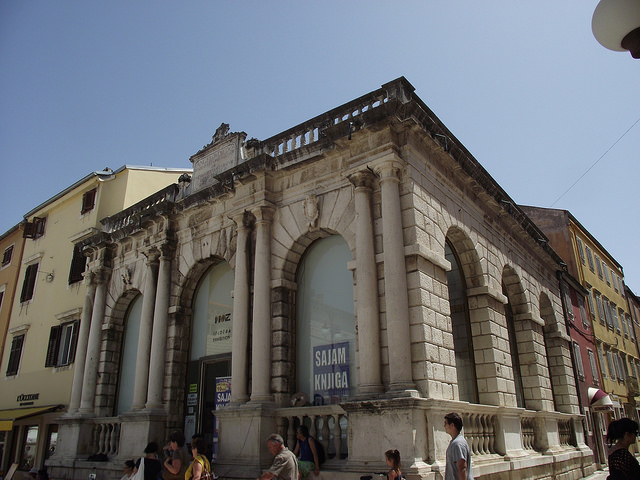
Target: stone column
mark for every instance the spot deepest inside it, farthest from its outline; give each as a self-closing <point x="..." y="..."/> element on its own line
<point x="157" y="366"/>
<point x="240" y="338"/>
<point x="90" y="373"/>
<point x="366" y="287"/>
<point x="395" y="280"/>
<point x="146" y="325"/>
<point x="261" y="346"/>
<point x="83" y="340"/>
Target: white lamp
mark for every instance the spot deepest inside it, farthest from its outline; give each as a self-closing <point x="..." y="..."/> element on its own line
<point x="616" y="25"/>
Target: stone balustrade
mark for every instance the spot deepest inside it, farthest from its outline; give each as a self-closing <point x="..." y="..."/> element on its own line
<point x="135" y="213"/>
<point x="328" y="424"/>
<point x="106" y="436"/>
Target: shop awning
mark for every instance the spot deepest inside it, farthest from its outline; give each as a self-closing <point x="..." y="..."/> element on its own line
<point x="7" y="417"/>
<point x="598" y="398"/>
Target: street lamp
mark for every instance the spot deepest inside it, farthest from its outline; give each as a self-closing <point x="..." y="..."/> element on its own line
<point x="616" y="25"/>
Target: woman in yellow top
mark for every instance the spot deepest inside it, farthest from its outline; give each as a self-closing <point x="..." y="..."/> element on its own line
<point x="200" y="464"/>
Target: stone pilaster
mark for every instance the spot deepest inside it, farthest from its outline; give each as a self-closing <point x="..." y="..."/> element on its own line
<point x="367" y="310"/>
<point x="395" y="280"/>
<point x="240" y="339"/>
<point x="146" y="327"/>
<point x="157" y="366"/>
<point x="83" y="341"/>
<point x="261" y="347"/>
<point x="90" y="373"/>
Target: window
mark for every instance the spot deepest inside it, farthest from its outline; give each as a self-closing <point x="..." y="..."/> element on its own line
<point x="592" y="307"/>
<point x="88" y="201"/>
<point x="567" y="301"/>
<point x="62" y="344"/>
<point x="29" y="282"/>
<point x="2" y="288"/>
<point x="610" y="364"/>
<point x="583" y="312"/>
<point x="6" y="257"/>
<point x="614" y="279"/>
<point x="580" y="250"/>
<point x="600" y="307"/>
<point x="605" y="269"/>
<point x="578" y="358"/>
<point x="78" y="264"/>
<point x="14" y="355"/>
<point x="614" y="316"/>
<point x="620" y="367"/>
<point x="632" y="333"/>
<point x="602" y="364"/>
<point x="589" y="258"/>
<point x="621" y="286"/>
<point x="599" y="267"/>
<point x="35" y="229"/>
<point x="607" y="312"/>
<point x="592" y="365"/>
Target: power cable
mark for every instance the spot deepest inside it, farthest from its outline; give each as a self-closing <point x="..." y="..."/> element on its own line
<point x="594" y="163"/>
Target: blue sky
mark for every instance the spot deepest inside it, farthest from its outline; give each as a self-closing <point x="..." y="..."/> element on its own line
<point x="523" y="85"/>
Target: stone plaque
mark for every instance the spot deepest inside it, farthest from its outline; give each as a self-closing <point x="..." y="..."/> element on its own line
<point x="223" y="153"/>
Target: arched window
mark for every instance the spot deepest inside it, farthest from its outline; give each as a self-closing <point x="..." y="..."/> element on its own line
<point x="325" y="322"/>
<point x="461" y="328"/>
<point x="513" y="347"/>
<point x="212" y="311"/>
<point x="128" y="356"/>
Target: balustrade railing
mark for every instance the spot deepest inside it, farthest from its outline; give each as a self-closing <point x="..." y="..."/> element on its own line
<point x="328" y="424"/>
<point x="135" y="212"/>
<point x="479" y="430"/>
<point x="565" y="433"/>
<point x="311" y="131"/>
<point x="528" y="432"/>
<point x="106" y="436"/>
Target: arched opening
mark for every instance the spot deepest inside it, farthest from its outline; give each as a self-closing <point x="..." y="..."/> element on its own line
<point x="209" y="368"/>
<point x="516" y="304"/>
<point x="126" y="378"/>
<point x="461" y="328"/>
<point x="325" y="336"/>
<point x="513" y="349"/>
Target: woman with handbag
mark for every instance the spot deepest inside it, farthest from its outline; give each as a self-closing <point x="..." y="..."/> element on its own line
<point x="200" y="468"/>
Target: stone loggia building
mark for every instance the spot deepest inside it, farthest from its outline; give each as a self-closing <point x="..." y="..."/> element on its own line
<point x="360" y="273"/>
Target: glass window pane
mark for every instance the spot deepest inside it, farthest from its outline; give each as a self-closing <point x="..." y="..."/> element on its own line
<point x="212" y="313"/>
<point x="325" y="322"/>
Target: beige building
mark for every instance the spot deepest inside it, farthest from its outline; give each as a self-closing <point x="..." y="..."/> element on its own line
<point x="360" y="273"/>
<point x="48" y="304"/>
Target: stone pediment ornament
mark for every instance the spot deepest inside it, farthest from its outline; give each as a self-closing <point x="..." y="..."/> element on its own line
<point x="221" y="133"/>
<point x="311" y="211"/>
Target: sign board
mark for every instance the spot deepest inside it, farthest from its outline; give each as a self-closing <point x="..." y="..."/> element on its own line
<point x="331" y="371"/>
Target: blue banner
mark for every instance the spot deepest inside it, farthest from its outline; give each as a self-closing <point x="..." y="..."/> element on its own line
<point x="331" y="371"/>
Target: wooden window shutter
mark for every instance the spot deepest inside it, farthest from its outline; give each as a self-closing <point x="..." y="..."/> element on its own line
<point x="52" y="349"/>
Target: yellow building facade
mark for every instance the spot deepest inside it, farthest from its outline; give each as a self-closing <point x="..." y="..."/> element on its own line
<point x="38" y="360"/>
<point x="613" y="328"/>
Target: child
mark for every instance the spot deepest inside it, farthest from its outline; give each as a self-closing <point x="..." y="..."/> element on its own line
<point x="393" y="461"/>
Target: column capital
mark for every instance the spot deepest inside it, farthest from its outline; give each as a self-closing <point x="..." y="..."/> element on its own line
<point x="388" y="170"/>
<point x="152" y="255"/>
<point x="263" y="213"/>
<point x="99" y="275"/>
<point x="167" y="249"/>
<point x="362" y="179"/>
<point x="241" y="219"/>
<point x="90" y="279"/>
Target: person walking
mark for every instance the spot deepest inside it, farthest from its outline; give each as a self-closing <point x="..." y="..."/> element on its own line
<point x="458" y="456"/>
<point x="622" y="464"/>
